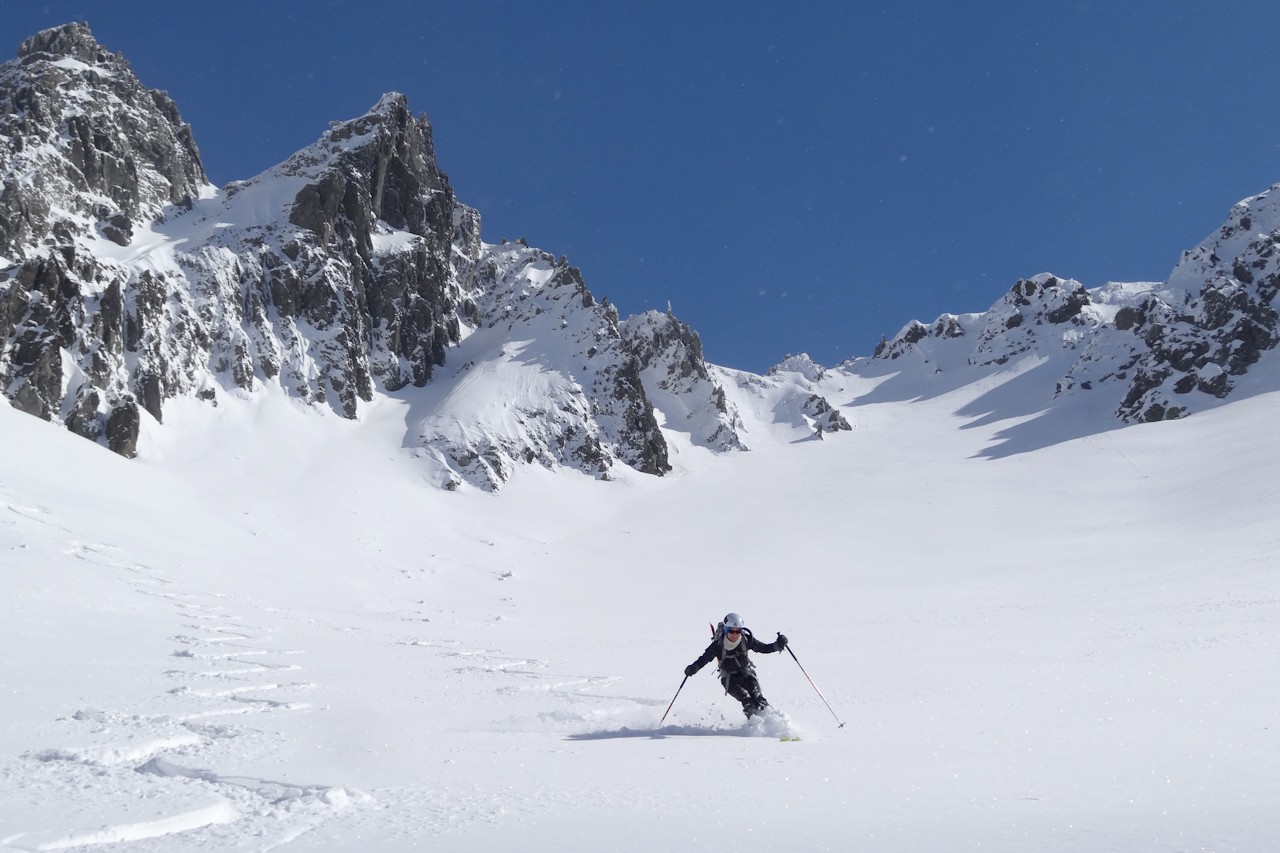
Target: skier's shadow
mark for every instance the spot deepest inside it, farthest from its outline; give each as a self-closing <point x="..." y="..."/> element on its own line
<point x="658" y="734"/>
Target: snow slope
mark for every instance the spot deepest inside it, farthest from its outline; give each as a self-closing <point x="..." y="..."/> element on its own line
<point x="274" y="631"/>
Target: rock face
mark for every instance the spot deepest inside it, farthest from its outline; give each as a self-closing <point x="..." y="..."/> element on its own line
<point x="349" y="270"/>
<point x="335" y="278"/>
<point x="86" y="147"/>
<point x="678" y="380"/>
<point x="544" y="375"/>
<point x="87" y="156"/>
<point x="1213" y="320"/>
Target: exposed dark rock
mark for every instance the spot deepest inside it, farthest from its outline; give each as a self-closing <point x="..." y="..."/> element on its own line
<point x="123" y="426"/>
<point x="115" y="138"/>
<point x="826" y="418"/>
<point x="1211" y="324"/>
<point x="947" y="326"/>
<point x="238" y="306"/>
<point x="674" y="369"/>
<point x="85" y="420"/>
<point x="1128" y="317"/>
<point x="914" y="333"/>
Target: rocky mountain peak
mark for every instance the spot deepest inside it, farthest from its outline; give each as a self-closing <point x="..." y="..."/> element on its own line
<point x="70" y="41"/>
<point x="350" y="293"/>
<point x="1160" y="350"/>
<point x="1214" y="318"/>
<point x="382" y="163"/>
<point x="86" y="151"/>
<point x="347" y="271"/>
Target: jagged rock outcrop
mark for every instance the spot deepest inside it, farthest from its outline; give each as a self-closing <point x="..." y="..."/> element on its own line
<point x="1041" y="314"/>
<point x="338" y="274"/>
<point x="1213" y="320"/>
<point x="1014" y="324"/>
<point x="805" y="402"/>
<point x="945" y="327"/>
<point x="87" y="157"/>
<point x="802" y="364"/>
<point x="544" y="377"/>
<point x="678" y="381"/>
<point x="88" y="151"/>
<point x="348" y="286"/>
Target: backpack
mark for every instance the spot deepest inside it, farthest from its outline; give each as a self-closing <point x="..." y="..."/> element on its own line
<point x="741" y="663"/>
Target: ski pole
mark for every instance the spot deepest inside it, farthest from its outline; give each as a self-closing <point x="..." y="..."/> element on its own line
<point x="815" y="687"/>
<point x="673" y="700"/>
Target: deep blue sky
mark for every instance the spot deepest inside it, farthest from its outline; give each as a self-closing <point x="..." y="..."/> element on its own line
<point x="799" y="179"/>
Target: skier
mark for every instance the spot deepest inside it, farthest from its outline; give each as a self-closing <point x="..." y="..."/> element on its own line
<point x="729" y="645"/>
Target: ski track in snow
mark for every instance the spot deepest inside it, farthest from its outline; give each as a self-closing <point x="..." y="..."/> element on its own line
<point x="165" y="748"/>
<point x="226" y="671"/>
<point x="585" y="702"/>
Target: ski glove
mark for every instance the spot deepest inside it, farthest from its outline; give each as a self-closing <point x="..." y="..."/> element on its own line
<point x="781" y="642"/>
<point x="690" y="670"/>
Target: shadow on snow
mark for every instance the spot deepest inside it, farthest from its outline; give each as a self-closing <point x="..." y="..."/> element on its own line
<point x="666" y="732"/>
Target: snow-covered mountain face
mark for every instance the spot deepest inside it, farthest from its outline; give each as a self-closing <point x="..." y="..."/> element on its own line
<point x="348" y="271"/>
<point x="351" y="271"/>
<point x="543" y="376"/>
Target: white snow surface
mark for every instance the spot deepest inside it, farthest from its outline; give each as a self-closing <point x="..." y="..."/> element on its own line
<point x="273" y="631"/>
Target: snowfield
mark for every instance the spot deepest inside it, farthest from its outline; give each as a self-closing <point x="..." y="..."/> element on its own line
<point x="274" y="631"/>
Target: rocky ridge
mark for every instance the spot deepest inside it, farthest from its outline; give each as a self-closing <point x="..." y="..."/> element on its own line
<point x="1213" y="320"/>
<point x="351" y="271"/>
<point x="543" y="375"/>
<point x="678" y="379"/>
<point x="1162" y="349"/>
<point x="87" y="156"/>
<point x="348" y="271"/>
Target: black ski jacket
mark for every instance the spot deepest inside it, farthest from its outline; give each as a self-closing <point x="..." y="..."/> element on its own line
<point x="735" y="659"/>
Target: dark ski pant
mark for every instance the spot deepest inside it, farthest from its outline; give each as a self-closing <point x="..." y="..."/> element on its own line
<point x="744" y="687"/>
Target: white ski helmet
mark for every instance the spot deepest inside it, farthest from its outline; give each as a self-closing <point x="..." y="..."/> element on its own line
<point x="732" y="621"/>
